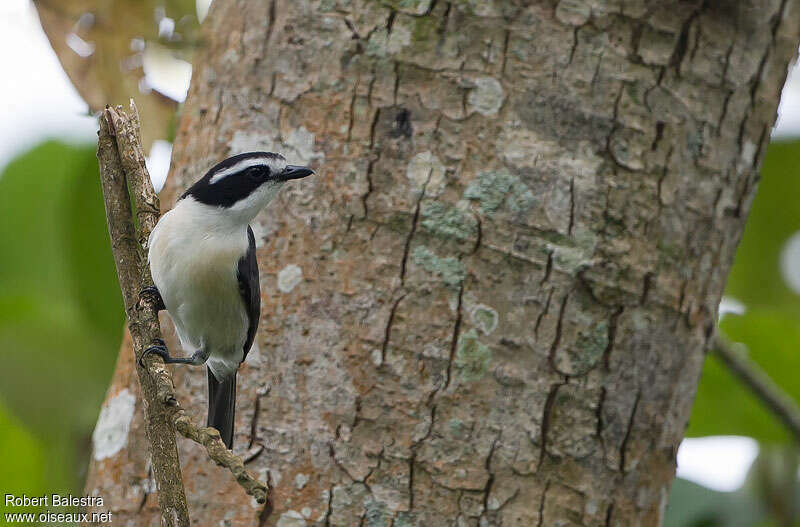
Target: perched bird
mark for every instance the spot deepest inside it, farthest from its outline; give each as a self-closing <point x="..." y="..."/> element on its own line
<point x="203" y="262"/>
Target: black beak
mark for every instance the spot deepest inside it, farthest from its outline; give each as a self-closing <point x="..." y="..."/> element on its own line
<point x="294" y="172"/>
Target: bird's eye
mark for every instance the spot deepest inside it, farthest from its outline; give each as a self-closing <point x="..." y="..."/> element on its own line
<point x="254" y="172"/>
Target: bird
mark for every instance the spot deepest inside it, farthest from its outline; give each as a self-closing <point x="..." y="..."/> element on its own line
<point x="202" y="256"/>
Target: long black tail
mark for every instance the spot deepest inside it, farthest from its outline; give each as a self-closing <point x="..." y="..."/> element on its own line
<point x="222" y="406"/>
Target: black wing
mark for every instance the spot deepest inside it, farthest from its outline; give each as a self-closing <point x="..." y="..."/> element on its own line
<point x="247" y="274"/>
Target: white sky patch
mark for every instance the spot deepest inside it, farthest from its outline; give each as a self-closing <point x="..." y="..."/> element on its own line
<point x="166" y="27"/>
<point x="790" y="262"/>
<point x="202" y="7"/>
<point x="111" y="431"/>
<point x="166" y="73"/>
<point x="38" y="101"/>
<point x="717" y="462"/>
<point x="788" y="124"/>
<point x="158" y="163"/>
<point x="289" y="277"/>
<point x="730" y="306"/>
<point x="80" y="46"/>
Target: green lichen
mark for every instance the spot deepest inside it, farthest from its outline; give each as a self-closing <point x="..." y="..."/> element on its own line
<point x="472" y="357"/>
<point x="450" y="270"/>
<point x="405" y="519"/>
<point x="492" y="189"/>
<point x="589" y="347"/>
<point x="570" y="260"/>
<point x="376" y="514"/>
<point x="456" y="427"/>
<point x="485" y="318"/>
<point x="448" y="222"/>
<point x="376" y="45"/>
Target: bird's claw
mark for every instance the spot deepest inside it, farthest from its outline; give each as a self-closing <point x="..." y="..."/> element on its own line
<point x="152" y="295"/>
<point x="158" y="349"/>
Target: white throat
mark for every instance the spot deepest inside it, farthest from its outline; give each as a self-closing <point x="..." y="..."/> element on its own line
<point x="226" y="219"/>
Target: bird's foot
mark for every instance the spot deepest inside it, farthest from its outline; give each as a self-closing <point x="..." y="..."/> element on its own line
<point x="151" y="294"/>
<point x="158" y="348"/>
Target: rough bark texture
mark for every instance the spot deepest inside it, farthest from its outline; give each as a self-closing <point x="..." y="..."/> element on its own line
<point x="490" y="306"/>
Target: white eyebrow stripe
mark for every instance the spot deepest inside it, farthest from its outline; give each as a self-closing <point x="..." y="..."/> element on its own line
<point x="238" y="167"/>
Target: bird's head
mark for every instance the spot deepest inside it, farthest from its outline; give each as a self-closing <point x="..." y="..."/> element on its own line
<point x="244" y="184"/>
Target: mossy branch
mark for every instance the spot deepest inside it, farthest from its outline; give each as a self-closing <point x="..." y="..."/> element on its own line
<point x="123" y="176"/>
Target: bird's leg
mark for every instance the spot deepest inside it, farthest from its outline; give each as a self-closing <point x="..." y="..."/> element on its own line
<point x="198" y="358"/>
<point x="152" y="294"/>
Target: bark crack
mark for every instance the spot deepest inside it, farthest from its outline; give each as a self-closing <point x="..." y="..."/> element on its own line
<point x="414" y="221"/>
<point x="647" y="284"/>
<point x="571" y="206"/>
<point x="548" y="408"/>
<point x="624" y="446"/>
<point x="388" y="331"/>
<point x="506" y="39"/>
<point x="268" y="37"/>
<point x="456" y="335"/>
<point x="371" y="164"/>
<point x="541" y="504"/>
<point x="600" y="424"/>
<point x="490" y="481"/>
<point x="351" y="120"/>
<point x="612" y="335"/>
<point x="542" y="313"/>
<point x="557" y="338"/>
<point x="261" y="392"/>
<point x="329" y="509"/>
<point x="548" y="268"/>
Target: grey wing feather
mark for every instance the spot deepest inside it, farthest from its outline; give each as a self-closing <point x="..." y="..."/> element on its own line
<point x="247" y="274"/>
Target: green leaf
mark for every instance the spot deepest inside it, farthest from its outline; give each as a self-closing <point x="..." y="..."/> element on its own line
<point x="61" y="315"/>
<point x="755" y="278"/>
<point x="724" y="406"/>
<point x="24" y="471"/>
<point x="692" y="505"/>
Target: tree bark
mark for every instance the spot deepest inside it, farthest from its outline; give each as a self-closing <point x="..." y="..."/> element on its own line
<point x="490" y="307"/>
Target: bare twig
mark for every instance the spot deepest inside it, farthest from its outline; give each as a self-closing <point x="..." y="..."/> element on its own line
<point x="122" y="167"/>
<point x="771" y="395"/>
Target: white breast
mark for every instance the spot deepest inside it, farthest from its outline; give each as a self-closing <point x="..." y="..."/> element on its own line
<point x="193" y="255"/>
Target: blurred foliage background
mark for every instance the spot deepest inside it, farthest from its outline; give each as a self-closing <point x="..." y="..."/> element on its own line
<point x="61" y="315"/>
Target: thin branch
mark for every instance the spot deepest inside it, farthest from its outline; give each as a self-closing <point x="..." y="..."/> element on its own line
<point x="122" y="167"/>
<point x="771" y="395"/>
<point x="142" y="322"/>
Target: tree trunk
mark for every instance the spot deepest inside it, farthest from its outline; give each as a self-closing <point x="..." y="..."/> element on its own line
<point x="490" y="306"/>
